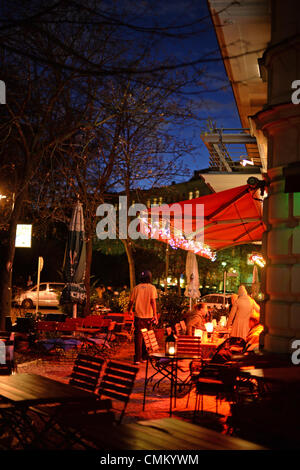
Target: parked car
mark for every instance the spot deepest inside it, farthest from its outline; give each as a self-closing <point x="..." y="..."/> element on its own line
<point x="217" y="300"/>
<point x="49" y="294"/>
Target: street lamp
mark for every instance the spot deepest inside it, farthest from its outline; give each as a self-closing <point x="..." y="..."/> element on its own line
<point x="224" y="280"/>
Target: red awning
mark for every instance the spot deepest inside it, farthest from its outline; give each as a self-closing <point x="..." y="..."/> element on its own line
<point x="232" y="217"/>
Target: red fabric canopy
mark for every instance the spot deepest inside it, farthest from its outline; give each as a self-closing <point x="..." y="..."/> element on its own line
<point x="231" y="217"/>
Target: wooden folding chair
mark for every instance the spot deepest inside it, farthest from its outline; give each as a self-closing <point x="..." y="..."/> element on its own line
<point x="161" y="366"/>
<point x="189" y="346"/>
<point x="81" y="424"/>
<point x="129" y="325"/>
<point x="68" y="419"/>
<point x="117" y="383"/>
<point x="99" y="339"/>
<point x="86" y="372"/>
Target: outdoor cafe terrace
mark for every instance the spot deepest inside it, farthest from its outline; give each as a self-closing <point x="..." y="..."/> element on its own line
<point x="218" y="425"/>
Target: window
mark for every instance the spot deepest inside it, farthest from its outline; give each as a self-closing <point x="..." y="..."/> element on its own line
<point x="55" y="287"/>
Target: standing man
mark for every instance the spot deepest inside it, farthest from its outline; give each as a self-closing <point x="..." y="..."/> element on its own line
<point x="144" y="297"/>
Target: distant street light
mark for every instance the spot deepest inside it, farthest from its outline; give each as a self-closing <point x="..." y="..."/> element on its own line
<point x="224" y="280"/>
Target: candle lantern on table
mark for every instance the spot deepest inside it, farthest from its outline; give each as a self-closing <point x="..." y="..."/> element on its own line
<point x="170" y="344"/>
<point x="198" y="332"/>
<point x="209" y="326"/>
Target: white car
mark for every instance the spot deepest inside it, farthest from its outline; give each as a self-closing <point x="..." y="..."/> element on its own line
<point x="217" y="300"/>
<point x="49" y="295"/>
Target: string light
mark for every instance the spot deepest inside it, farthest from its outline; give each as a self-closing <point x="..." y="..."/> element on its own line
<point x="178" y="240"/>
<point x="257" y="258"/>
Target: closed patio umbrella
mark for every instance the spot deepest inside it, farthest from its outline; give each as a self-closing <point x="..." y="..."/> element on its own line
<point x="75" y="262"/>
<point x="192" y="277"/>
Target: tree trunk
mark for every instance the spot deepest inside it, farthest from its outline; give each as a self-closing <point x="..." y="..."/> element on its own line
<point x="178" y="285"/>
<point x="130" y="258"/>
<point x="7" y="264"/>
<point x="87" y="282"/>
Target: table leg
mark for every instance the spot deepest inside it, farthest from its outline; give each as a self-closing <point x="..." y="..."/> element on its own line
<point x="146" y="383"/>
<point x="171" y="388"/>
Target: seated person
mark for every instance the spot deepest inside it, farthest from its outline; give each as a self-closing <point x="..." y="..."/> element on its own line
<point x="238" y="345"/>
<point x="252" y="340"/>
<point x="197" y="318"/>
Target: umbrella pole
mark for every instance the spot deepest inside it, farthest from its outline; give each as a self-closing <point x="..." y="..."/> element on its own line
<point x="74" y="310"/>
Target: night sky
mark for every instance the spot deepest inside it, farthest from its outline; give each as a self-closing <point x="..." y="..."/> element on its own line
<point x="213" y="99"/>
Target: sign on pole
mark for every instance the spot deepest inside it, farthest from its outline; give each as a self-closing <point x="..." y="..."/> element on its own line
<point x="23" y="236"/>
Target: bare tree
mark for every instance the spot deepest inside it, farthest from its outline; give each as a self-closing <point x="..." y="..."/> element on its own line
<point x="138" y="30"/>
<point x="46" y="109"/>
<point x="149" y="154"/>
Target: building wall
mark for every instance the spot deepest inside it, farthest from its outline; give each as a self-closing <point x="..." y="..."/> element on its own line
<point x="280" y="123"/>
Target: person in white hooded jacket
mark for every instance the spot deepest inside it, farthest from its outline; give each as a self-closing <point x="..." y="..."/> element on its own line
<point x="238" y="320"/>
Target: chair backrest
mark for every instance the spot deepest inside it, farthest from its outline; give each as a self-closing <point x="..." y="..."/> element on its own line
<point x="93" y="321"/>
<point x="128" y="317"/>
<point x="43" y="325"/>
<point x="150" y="340"/>
<point x="117" y="382"/>
<point x="117" y="317"/>
<point x="66" y="326"/>
<point x="110" y="325"/>
<point x="73" y="321"/>
<point x="86" y="372"/>
<point x="183" y="327"/>
<point x="189" y="345"/>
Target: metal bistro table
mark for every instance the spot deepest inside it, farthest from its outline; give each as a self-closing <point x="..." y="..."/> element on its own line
<point x="20" y="392"/>
<point x="206" y="351"/>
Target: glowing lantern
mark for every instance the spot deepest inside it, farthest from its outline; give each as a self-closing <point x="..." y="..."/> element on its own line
<point x="170" y="345"/>
<point x="209" y="326"/>
<point x="198" y="332"/>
